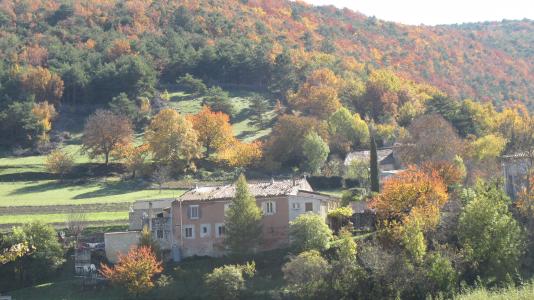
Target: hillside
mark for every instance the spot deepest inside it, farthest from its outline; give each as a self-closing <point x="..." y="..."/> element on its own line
<point x="237" y="42"/>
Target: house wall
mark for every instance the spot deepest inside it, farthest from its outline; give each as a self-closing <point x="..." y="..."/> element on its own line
<point x="275" y="226"/>
<point x="119" y="242"/>
<point x="301" y="201"/>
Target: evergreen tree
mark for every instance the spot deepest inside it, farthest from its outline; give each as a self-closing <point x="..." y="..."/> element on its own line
<point x="375" y="183"/>
<point x="243" y="220"/>
<point x="315" y="151"/>
<point x="259" y="106"/>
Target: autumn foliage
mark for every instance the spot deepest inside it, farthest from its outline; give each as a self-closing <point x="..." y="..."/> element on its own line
<point x="412" y="194"/>
<point x="317" y="96"/>
<point x="135" y="270"/>
<point x="240" y="155"/>
<point x="173" y="140"/>
<point x="43" y="84"/>
<point x="213" y="128"/>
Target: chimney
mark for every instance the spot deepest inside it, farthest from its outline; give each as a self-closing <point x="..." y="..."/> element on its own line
<point x="272" y="180"/>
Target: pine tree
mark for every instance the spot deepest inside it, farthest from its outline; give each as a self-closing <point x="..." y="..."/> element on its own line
<point x="375" y="183"/>
<point x="243" y="220"/>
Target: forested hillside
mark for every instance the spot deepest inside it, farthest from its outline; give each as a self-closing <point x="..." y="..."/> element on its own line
<point x="101" y="48"/>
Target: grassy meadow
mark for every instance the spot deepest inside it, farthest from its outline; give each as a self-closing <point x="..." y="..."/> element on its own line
<point x="28" y="192"/>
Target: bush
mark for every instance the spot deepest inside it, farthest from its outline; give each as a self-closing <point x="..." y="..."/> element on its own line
<point x="192" y="85"/>
<point x="59" y="162"/>
<point x="309" y="232"/>
<point x="227" y="282"/>
<point x="306" y="274"/>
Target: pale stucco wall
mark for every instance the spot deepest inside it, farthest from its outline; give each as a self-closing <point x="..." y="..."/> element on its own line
<point x="119" y="242"/>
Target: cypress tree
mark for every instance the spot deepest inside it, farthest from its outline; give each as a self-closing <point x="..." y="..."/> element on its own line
<point x="375" y="183"/>
<point x="243" y="220"/>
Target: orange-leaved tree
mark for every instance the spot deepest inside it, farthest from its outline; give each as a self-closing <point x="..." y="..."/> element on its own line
<point x="317" y="96"/>
<point x="411" y="191"/>
<point x="408" y="206"/>
<point x="135" y="271"/>
<point x="214" y="129"/>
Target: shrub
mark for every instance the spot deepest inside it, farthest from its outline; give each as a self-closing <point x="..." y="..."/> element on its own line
<point x="59" y="162"/>
<point x="309" y="232"/>
<point x="227" y="282"/>
<point x="134" y="271"/>
<point x="306" y="274"/>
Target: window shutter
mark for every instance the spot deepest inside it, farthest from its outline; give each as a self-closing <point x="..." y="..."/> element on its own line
<point x="274" y="207"/>
<point x="199" y="212"/>
<point x="189" y="212"/>
<point x="264" y="207"/>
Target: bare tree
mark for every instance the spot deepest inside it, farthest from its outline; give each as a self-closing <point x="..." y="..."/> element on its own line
<point x="431" y="138"/>
<point x="76" y="222"/>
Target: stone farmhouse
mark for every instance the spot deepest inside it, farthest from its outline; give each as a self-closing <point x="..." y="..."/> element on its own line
<point x="193" y="224"/>
<point x="388" y="162"/>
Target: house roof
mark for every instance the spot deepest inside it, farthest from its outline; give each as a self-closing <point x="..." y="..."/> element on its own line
<point x="258" y="189"/>
<point x="156" y="203"/>
<point x="385" y="156"/>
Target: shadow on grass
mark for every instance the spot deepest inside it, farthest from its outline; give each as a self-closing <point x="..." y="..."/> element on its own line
<point x="27" y="176"/>
<point x="80" y="171"/>
<point x="43" y="187"/>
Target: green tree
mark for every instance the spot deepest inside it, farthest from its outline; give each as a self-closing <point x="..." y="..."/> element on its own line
<point x="347" y="131"/>
<point x="309" y="232"/>
<point x="375" y="183"/>
<point x="491" y="238"/>
<point x="315" y="151"/>
<point x="192" y="85"/>
<point x="243" y="220"/>
<point x="259" y="106"/>
<point x="306" y="274"/>
<point x="121" y="105"/>
<point x="46" y="255"/>
<point x="219" y="100"/>
<point x="345" y="270"/>
<point x="440" y="275"/>
<point x="19" y="125"/>
<point x="227" y="282"/>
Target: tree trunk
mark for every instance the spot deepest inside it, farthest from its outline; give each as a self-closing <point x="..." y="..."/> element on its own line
<point x="107" y="158"/>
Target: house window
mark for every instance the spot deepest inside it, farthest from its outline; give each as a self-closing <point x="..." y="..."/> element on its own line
<point x="269" y="208"/>
<point x="296" y="206"/>
<point x="189" y="231"/>
<point x="308" y="206"/>
<point x="205" y="230"/>
<point x="193" y="212"/>
<point x="159" y="234"/>
<point x="220" y="230"/>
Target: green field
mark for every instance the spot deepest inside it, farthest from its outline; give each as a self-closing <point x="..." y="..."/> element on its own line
<point x="187" y="104"/>
<point x="28" y="192"/>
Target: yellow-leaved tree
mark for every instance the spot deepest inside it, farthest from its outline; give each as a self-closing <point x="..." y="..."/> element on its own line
<point x="173" y="140"/>
<point x="214" y="129"/>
